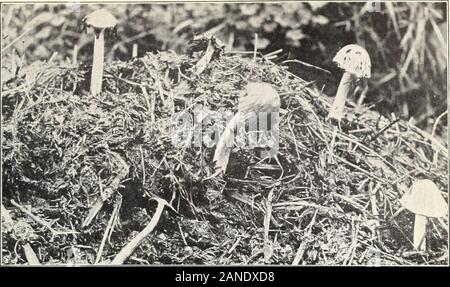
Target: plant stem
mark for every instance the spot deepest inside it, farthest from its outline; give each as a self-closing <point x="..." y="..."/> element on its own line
<point x="225" y="145"/>
<point x="134" y="243"/>
<point x="420" y="224"/>
<point x="30" y="255"/>
<point x="337" y="109"/>
<point x="97" y="63"/>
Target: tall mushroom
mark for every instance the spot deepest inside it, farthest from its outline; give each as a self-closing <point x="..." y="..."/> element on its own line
<point x="355" y="62"/>
<point x="100" y="20"/>
<point x="424" y="199"/>
<point x="259" y="98"/>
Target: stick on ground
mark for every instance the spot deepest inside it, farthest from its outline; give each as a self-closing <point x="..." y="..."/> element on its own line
<point x="40" y="221"/>
<point x="133" y="244"/>
<point x="30" y="255"/>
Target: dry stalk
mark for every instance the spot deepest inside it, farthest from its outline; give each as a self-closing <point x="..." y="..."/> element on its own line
<point x="135" y="242"/>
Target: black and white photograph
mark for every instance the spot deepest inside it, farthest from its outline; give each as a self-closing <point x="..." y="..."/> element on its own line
<point x="224" y="133"/>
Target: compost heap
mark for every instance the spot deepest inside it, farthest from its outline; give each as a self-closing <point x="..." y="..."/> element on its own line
<point x="65" y="151"/>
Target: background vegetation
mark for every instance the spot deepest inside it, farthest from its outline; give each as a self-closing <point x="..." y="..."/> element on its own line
<point x="406" y="41"/>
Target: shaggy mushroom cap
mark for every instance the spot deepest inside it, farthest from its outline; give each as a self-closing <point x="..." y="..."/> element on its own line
<point x="354" y="59"/>
<point x="260" y="97"/>
<point x="424" y="198"/>
<point x="100" y="19"/>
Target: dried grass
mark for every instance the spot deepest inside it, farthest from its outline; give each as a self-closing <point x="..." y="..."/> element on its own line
<point x="61" y="148"/>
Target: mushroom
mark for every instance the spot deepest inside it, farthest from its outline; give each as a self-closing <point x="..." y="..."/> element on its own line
<point x="100" y="20"/>
<point x="355" y="61"/>
<point x="259" y="98"/>
<point x="424" y="199"/>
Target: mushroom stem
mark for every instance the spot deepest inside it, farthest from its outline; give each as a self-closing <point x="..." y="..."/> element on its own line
<point x="337" y="109"/>
<point x="420" y="224"/>
<point x="75" y="55"/>
<point x="97" y="63"/>
<point x="134" y="53"/>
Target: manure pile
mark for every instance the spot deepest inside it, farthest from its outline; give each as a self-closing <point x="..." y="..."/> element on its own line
<point x="79" y="172"/>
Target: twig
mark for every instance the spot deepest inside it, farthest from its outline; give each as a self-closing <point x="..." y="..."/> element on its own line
<point x="182" y="25"/>
<point x="362" y="170"/>
<point x="215" y="29"/>
<point x="150" y="104"/>
<point x="95" y="208"/>
<point x="307" y="65"/>
<point x="272" y="55"/>
<point x="108" y="228"/>
<point x="39" y="220"/>
<point x="300" y="203"/>
<point x="128" y="40"/>
<point x="133" y="244"/>
<point x="352" y="203"/>
<point x="433" y="132"/>
<point x="201" y="65"/>
<point x="17" y="39"/>
<point x="301" y="249"/>
<point x="268" y="251"/>
<point x="109" y="191"/>
<point x="374" y="206"/>
<point x="351" y="251"/>
<point x="234" y="245"/>
<point x="299" y="254"/>
<point x="372" y="138"/>
<point x="143" y="165"/>
<point x="331" y="145"/>
<point x="30" y="255"/>
<point x="427" y="136"/>
<point x="244" y="199"/>
<point x="182" y="234"/>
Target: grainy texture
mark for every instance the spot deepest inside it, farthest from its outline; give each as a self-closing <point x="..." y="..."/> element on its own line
<point x="59" y="146"/>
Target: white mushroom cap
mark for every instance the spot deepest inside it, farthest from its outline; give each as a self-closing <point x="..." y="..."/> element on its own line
<point x="100" y="19"/>
<point x="259" y="97"/>
<point x="424" y="198"/>
<point x="354" y="59"/>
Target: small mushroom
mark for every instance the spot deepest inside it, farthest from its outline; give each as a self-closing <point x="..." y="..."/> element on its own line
<point x="258" y="98"/>
<point x="100" y="20"/>
<point x="355" y="61"/>
<point x="424" y="199"/>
